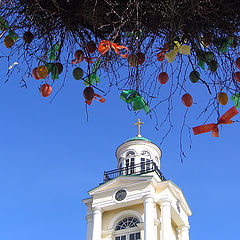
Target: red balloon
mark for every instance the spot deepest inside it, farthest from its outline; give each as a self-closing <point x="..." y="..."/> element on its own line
<point x="91" y="47"/>
<point x="88" y="93"/>
<point x="187" y="100"/>
<point x="60" y="67"/>
<point x="238" y="62"/>
<point x="45" y="90"/>
<point x="34" y="73"/>
<point x="141" y="58"/>
<point x="79" y="55"/>
<point x="163" y="77"/>
<point x="133" y="60"/>
<point x="237" y="76"/>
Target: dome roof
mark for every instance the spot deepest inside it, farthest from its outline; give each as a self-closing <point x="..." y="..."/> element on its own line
<point x="138" y="138"/>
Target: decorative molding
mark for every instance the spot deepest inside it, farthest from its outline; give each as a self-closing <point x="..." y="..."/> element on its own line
<point x="140" y="226"/>
<point x="108" y="232"/>
<point x="184" y="227"/>
<point x="145" y="197"/>
<point x="87" y="201"/>
<point x="95" y="209"/>
<point x="122" y="214"/>
<point x="138" y="142"/>
<point x="163" y="201"/>
<point x="89" y="217"/>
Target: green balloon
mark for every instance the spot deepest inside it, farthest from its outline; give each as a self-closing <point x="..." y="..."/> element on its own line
<point x="77" y="73"/>
<point x="194" y="76"/>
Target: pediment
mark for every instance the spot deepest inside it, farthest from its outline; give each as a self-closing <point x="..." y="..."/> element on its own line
<point x="176" y="192"/>
<point x="121" y="181"/>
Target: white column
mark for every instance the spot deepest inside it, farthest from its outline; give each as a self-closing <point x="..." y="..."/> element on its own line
<point x="89" y="226"/>
<point x="97" y="224"/>
<point x="179" y="234"/>
<point x="166" y="224"/>
<point x="185" y="232"/>
<point x="148" y="218"/>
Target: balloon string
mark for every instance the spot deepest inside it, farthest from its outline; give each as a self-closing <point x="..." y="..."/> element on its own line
<point x="220" y="89"/>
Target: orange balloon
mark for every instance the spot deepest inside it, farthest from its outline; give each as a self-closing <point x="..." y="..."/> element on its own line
<point x="187" y="100"/>
<point x="45" y="90"/>
<point x="222" y="98"/>
<point x="163" y="77"/>
<point x="238" y="62"/>
<point x="237" y="76"/>
<point x="42" y="72"/>
<point x="34" y="73"/>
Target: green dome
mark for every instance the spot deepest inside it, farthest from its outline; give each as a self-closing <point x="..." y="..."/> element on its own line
<point x="138" y="138"/>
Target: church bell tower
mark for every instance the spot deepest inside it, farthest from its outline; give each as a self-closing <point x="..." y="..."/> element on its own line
<point x="135" y="201"/>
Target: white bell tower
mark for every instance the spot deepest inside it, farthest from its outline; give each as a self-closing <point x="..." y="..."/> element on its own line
<point x="135" y="201"/>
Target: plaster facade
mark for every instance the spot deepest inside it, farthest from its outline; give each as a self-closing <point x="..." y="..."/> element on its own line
<point x="159" y="206"/>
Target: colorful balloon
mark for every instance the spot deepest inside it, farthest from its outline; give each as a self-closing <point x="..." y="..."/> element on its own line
<point x="42" y="71"/>
<point x="77" y="73"/>
<point x="141" y="58"/>
<point x="237" y="76"/>
<point x="79" y="55"/>
<point x="34" y="73"/>
<point x="163" y="77"/>
<point x="194" y="76"/>
<point x="45" y="90"/>
<point x="28" y="37"/>
<point x="60" y="68"/>
<point x="88" y="93"/>
<point x="187" y="100"/>
<point x="222" y="98"/>
<point x="133" y="60"/>
<point x="238" y="62"/>
<point x="8" y="42"/>
<point x="91" y="47"/>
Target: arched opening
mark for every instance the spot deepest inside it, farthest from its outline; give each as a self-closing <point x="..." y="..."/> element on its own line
<point x="125" y="225"/>
<point x="129" y="162"/>
<point x="126" y="229"/>
<point x="145" y="161"/>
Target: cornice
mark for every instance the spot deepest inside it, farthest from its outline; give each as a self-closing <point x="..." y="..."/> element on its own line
<point x="138" y="142"/>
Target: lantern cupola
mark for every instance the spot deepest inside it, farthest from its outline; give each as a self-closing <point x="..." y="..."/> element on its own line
<point x="138" y="155"/>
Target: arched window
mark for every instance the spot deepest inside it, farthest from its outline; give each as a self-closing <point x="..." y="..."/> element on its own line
<point x="130" y="162"/>
<point x="145" y="161"/>
<point x="130" y="153"/>
<point x="127" y="224"/>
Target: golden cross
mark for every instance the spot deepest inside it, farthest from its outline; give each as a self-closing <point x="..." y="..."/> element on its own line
<point x="138" y="123"/>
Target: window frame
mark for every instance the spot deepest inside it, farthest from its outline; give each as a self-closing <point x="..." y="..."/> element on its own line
<point x="126" y="232"/>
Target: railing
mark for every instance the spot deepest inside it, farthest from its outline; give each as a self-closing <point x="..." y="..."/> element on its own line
<point x="134" y="170"/>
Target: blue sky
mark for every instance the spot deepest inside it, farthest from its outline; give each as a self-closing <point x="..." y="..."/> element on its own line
<point x="50" y="156"/>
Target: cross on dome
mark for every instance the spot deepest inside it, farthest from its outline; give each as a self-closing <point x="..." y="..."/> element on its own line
<point x="138" y="123"/>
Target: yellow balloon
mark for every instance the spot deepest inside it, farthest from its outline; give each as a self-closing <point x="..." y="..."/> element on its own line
<point x="222" y="98"/>
<point x="8" y="41"/>
<point x="42" y="72"/>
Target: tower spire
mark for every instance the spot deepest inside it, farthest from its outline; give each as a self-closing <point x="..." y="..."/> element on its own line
<point x="138" y="123"/>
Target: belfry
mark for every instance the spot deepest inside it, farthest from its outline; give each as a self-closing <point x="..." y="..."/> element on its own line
<point x="135" y="201"/>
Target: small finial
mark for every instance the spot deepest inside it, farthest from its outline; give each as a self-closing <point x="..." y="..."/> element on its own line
<point x="138" y="123"/>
